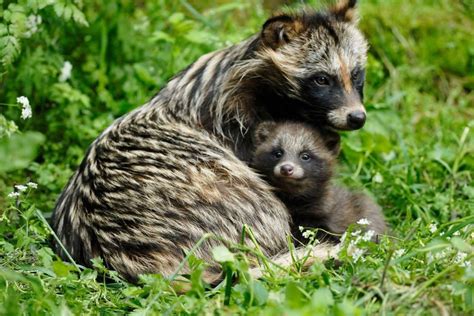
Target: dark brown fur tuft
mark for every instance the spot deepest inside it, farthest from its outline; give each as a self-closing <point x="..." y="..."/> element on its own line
<point x="345" y="11"/>
<point x="280" y="30"/>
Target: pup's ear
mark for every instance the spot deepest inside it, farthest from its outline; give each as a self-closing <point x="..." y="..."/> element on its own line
<point x="262" y="131"/>
<point x="333" y="142"/>
<point x="346" y="11"/>
<point x="280" y="30"/>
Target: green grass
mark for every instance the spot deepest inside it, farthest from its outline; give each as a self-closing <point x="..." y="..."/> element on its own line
<point x="415" y="156"/>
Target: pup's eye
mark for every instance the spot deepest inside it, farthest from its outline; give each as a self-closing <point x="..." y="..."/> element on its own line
<point x="322" y="80"/>
<point x="277" y="154"/>
<point x="305" y="157"/>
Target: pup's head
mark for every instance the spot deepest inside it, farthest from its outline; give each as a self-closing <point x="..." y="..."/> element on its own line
<point x="294" y="157"/>
<point x="318" y="58"/>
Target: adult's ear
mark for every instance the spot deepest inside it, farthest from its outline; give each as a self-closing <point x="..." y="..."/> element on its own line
<point x="280" y="30"/>
<point x="346" y="11"/>
<point x="262" y="131"/>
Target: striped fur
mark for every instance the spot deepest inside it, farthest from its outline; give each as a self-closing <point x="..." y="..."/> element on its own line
<point x="159" y="178"/>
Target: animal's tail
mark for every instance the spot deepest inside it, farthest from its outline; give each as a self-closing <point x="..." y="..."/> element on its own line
<point x="306" y="256"/>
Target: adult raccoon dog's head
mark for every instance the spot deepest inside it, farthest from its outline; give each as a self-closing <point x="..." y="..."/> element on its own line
<point x="317" y="59"/>
<point x="295" y="158"/>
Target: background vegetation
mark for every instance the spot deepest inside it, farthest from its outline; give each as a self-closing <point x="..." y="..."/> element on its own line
<point x="415" y="154"/>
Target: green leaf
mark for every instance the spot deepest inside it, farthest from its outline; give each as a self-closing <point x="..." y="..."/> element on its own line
<point x="46" y="255"/>
<point x="79" y="17"/>
<point x="59" y="9"/>
<point x="18" y="151"/>
<point x="199" y="37"/>
<point x="294" y="296"/>
<point x="62" y="269"/>
<point x="144" y="75"/>
<point x="11" y="49"/>
<point x="176" y="18"/>
<point x="7" y="128"/>
<point x="162" y="36"/>
<point x="221" y="254"/>
<point x="7" y="247"/>
<point x="460" y="244"/>
<point x="347" y="309"/>
<point x="322" y="297"/>
<point x="260" y="293"/>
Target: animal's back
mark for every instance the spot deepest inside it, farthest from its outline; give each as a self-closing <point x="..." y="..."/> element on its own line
<point x="148" y="191"/>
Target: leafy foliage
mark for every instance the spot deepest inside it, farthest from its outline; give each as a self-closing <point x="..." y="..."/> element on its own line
<point x="415" y="155"/>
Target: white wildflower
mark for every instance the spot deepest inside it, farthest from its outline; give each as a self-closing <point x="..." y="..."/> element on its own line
<point x="398" y="253"/>
<point x="65" y="71"/>
<point x="390" y="156"/>
<point x="363" y="221"/>
<point x="356" y="233"/>
<point x="378" y="178"/>
<point x="460" y="256"/>
<point x="465" y="264"/>
<point x="343" y="238"/>
<point x="433" y="228"/>
<point x="21" y="187"/>
<point x="301" y="228"/>
<point x="357" y="254"/>
<point x="32" y="185"/>
<point x="438" y="256"/>
<point x="13" y="194"/>
<point x="429" y="257"/>
<point x="457" y="233"/>
<point x="368" y="235"/>
<point x="26" y="108"/>
<point x="308" y="234"/>
<point x="276" y="297"/>
<point x="32" y="24"/>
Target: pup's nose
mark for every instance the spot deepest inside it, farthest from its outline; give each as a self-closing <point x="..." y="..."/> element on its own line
<point x="356" y="119"/>
<point x="286" y="170"/>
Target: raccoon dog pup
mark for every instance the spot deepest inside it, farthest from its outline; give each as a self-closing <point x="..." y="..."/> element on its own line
<point x="159" y="178"/>
<point x="299" y="161"/>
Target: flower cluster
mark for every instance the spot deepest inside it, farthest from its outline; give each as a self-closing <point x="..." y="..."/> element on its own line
<point x="26" y="108"/>
<point x="65" y="71"/>
<point x="20" y="188"/>
<point x="32" y="24"/>
<point x="363" y="221"/>
<point x="309" y="234"/>
<point x="433" y="228"/>
<point x="399" y="252"/>
<point x="358" y="239"/>
<point x="458" y="257"/>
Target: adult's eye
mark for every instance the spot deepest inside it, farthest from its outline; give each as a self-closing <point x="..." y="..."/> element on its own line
<point x="305" y="157"/>
<point x="322" y="80"/>
<point x="355" y="76"/>
<point x="278" y="154"/>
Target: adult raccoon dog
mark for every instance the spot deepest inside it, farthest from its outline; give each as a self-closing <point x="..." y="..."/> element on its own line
<point x="299" y="161"/>
<point x="172" y="170"/>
